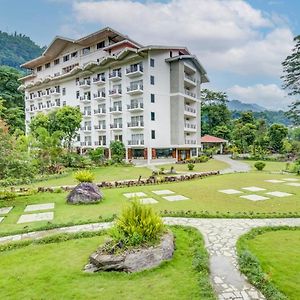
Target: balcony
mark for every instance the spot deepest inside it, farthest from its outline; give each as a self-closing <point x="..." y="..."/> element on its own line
<point x="100" y="111"/>
<point x="116" y="126"/>
<point x="190" y="126"/>
<point x="85" y="99"/>
<point x="136" y="143"/>
<point x="190" y="94"/>
<point x="115" y="110"/>
<point x="190" y="142"/>
<point x="55" y="92"/>
<point x="87" y="113"/>
<point x="86" y="128"/>
<point x="28" y="98"/>
<point x="99" y="80"/>
<point x="188" y="110"/>
<point x="114" y="93"/>
<point x="46" y="94"/>
<point x="86" y="144"/>
<point x="100" y="143"/>
<point x="135" y="89"/>
<point x="115" y="76"/>
<point x="134" y="71"/>
<point x="55" y="104"/>
<point x="100" y="127"/>
<point x="85" y="83"/>
<point x="99" y="96"/>
<point x="135" y="107"/>
<point x="136" y="125"/>
<point x="189" y="81"/>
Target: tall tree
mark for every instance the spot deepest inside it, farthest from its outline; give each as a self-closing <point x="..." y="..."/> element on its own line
<point x="277" y="133"/>
<point x="291" y="80"/>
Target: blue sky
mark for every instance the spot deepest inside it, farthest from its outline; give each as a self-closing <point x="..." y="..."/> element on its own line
<point x="240" y="43"/>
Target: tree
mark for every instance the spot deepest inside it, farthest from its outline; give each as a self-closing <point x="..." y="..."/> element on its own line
<point x="117" y="151"/>
<point x="291" y="80"/>
<point x="277" y="133"/>
<point x="214" y="111"/>
<point x="41" y="120"/>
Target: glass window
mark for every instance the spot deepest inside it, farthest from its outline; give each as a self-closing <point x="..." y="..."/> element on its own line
<point x="56" y="61"/>
<point x="66" y="57"/>
<point x="38" y="69"/>
<point x="152" y="116"/>
<point x="101" y="45"/>
<point x="86" y="50"/>
<point x="153" y="134"/>
<point x="152" y="62"/>
<point x="152" y="98"/>
<point x="152" y="79"/>
<point x="47" y="66"/>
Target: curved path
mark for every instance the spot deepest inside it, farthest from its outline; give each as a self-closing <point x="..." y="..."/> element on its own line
<point x="220" y="239"/>
<point x="235" y="165"/>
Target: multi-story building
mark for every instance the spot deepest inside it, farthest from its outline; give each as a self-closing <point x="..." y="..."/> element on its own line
<point x="146" y="97"/>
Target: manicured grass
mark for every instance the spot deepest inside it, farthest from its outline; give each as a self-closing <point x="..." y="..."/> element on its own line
<point x="279" y="258"/>
<point x="211" y="165"/>
<point x="109" y="173"/>
<point x="54" y="271"/>
<point x="203" y="194"/>
<point x="271" y="166"/>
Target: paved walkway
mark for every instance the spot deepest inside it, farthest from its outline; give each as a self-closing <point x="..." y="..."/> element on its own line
<point x="220" y="238"/>
<point x="235" y="165"/>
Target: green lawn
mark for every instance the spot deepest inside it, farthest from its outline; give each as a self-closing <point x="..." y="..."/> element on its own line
<point x="54" y="271"/>
<point x="203" y="194"/>
<point x="271" y="166"/>
<point x="279" y="256"/>
<point x="211" y="165"/>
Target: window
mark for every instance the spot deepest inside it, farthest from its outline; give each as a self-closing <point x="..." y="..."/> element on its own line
<point x="86" y="50"/>
<point x="77" y="94"/>
<point x="39" y="68"/>
<point x="56" y="61"/>
<point x="64" y="103"/>
<point x="153" y="134"/>
<point x="74" y="54"/>
<point x="152" y="79"/>
<point x="152" y="116"/>
<point x="152" y="62"/>
<point x="66" y="58"/>
<point x="152" y="98"/>
<point x="101" y="45"/>
<point x="64" y="91"/>
<point x="47" y="66"/>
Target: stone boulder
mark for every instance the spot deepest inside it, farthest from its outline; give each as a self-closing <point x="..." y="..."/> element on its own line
<point x="133" y="260"/>
<point x="85" y="193"/>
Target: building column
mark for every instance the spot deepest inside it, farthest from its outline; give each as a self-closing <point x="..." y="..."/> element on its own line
<point x="149" y="155"/>
<point x="197" y="151"/>
<point x="126" y="154"/>
<point x="109" y="153"/>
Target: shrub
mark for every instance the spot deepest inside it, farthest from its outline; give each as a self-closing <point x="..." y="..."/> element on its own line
<point x="137" y="225"/>
<point x="84" y="176"/>
<point x="7" y="195"/>
<point x="161" y="170"/>
<point x="203" y="158"/>
<point x="191" y="166"/>
<point x="259" y="165"/>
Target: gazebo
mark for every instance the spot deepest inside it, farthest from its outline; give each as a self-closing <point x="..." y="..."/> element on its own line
<point x="208" y="141"/>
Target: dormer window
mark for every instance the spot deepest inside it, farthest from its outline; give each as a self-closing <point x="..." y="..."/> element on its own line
<point x="66" y="58"/>
<point x="74" y="54"/>
<point x="56" y="62"/>
<point x="86" y="50"/>
<point x="47" y="66"/>
<point x="39" y="69"/>
<point x="101" y="45"/>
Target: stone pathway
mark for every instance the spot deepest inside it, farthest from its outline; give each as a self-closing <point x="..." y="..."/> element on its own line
<point x="220" y="239"/>
<point x="235" y="165"/>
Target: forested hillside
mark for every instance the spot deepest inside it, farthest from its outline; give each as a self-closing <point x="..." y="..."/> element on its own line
<point x="15" y="49"/>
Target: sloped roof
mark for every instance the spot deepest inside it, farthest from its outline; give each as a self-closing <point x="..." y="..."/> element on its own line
<point x="212" y="139"/>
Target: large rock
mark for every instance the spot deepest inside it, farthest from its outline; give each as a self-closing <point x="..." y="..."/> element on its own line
<point x="133" y="260"/>
<point x="85" y="193"/>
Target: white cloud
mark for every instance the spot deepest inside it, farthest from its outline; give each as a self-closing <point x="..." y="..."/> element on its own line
<point x="269" y="96"/>
<point x="227" y="35"/>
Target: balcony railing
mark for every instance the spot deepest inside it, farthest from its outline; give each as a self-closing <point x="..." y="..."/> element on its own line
<point x="134" y="70"/>
<point x="84" y="83"/>
<point x="100" y="127"/>
<point x="86" y="128"/>
<point x="99" y="95"/>
<point x="115" y="92"/>
<point x="135" y="88"/>
<point x="85" y="98"/>
<point x="115" y="109"/>
<point x="99" y="80"/>
<point x="136" y="142"/>
<point x="100" y="143"/>
<point x="116" y="126"/>
<point x="190" y="142"/>
<point x="189" y="93"/>
<point x="189" y="77"/>
<point x="115" y="75"/>
<point x="55" y="92"/>
<point x="100" y="111"/>
<point x="89" y="143"/>
<point x="138" y="124"/>
<point x="136" y="106"/>
<point x="86" y="113"/>
<point x="189" y="109"/>
<point x="189" y="125"/>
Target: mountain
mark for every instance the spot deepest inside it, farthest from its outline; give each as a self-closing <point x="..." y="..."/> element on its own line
<point x="240" y="106"/>
<point x="15" y="49"/>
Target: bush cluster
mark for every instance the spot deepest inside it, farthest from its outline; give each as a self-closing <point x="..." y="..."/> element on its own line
<point x="84" y="176"/>
<point x="259" y="165"/>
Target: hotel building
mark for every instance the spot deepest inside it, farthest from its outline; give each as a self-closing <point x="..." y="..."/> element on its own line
<point x="148" y="97"/>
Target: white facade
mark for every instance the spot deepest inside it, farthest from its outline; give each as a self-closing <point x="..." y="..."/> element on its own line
<point x="148" y="97"/>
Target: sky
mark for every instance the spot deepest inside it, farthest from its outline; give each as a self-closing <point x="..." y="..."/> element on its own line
<point x="240" y="43"/>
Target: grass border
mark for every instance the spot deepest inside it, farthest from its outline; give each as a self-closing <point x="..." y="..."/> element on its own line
<point x="250" y="265"/>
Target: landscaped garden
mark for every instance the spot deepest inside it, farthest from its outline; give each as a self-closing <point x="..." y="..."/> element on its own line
<point x="270" y="258"/>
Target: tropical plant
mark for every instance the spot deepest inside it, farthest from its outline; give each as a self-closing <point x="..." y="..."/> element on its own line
<point x="117" y="151"/>
<point x="84" y="176"/>
<point x="259" y="165"/>
<point x="191" y="166"/>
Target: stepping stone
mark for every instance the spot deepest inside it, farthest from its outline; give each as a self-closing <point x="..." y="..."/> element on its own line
<point x="253" y="189"/>
<point x="279" y="194"/>
<point x="1" y="219"/>
<point x="274" y="181"/>
<point x="35" y="207"/>
<point x="175" y="198"/>
<point x="133" y="195"/>
<point x="230" y="192"/>
<point x="293" y="184"/>
<point x="254" y="197"/>
<point x="5" y="210"/>
<point x="290" y="179"/>
<point x="163" y="192"/>
<point x="45" y="216"/>
<point x="148" y="201"/>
